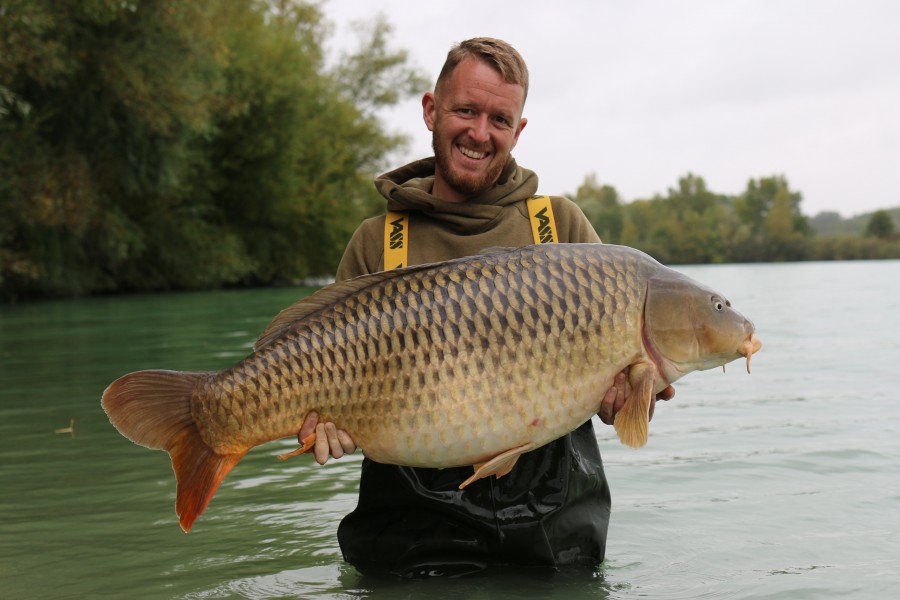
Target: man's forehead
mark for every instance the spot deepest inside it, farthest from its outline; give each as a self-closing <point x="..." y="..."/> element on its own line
<point x="477" y="81"/>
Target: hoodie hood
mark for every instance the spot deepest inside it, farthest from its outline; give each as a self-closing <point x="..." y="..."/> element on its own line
<point x="409" y="188"/>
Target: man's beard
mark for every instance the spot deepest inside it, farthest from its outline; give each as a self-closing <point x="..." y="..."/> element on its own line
<point x="461" y="183"/>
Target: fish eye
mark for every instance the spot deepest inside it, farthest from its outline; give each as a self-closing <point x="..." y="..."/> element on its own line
<point x="718" y="304"/>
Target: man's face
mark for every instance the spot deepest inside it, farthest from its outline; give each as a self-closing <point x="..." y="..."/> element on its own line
<point x="475" y="120"/>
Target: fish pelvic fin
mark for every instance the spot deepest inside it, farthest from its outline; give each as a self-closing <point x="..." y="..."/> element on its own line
<point x="632" y="422"/>
<point x="153" y="409"/>
<point x="498" y="466"/>
<point x="306" y="445"/>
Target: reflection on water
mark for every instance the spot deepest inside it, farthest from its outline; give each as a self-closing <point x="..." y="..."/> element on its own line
<point x="777" y="484"/>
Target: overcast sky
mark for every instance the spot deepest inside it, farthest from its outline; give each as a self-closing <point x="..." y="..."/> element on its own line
<point x="641" y="92"/>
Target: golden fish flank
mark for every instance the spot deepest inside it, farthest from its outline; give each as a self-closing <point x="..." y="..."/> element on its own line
<point x="467" y="362"/>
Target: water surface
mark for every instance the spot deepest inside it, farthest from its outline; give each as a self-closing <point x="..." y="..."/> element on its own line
<point x="778" y="484"/>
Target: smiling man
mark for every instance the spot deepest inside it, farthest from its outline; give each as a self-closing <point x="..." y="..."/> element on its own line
<point x="552" y="510"/>
<point x="475" y="117"/>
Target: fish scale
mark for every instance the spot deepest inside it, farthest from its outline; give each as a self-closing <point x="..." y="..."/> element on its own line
<point x="467" y="362"/>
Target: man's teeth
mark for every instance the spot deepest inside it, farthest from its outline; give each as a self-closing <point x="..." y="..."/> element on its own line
<point x="471" y="153"/>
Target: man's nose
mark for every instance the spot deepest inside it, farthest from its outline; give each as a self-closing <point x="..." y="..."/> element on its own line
<point x="479" y="130"/>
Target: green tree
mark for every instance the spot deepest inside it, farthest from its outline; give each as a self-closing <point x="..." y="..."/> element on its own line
<point x="108" y="99"/>
<point x="880" y="225"/>
<point x="784" y="241"/>
<point x="692" y="231"/>
<point x="779" y="222"/>
<point x="755" y="203"/>
<point x="639" y="219"/>
<point x="150" y="145"/>
<point x="374" y="76"/>
<point x="603" y="207"/>
<point x="770" y="224"/>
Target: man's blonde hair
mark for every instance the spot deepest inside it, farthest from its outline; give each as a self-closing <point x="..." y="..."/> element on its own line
<point x="496" y="53"/>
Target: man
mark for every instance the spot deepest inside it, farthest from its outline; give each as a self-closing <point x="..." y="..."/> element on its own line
<point x="553" y="509"/>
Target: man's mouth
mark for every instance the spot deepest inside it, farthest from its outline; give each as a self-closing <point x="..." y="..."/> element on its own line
<point x="473" y="154"/>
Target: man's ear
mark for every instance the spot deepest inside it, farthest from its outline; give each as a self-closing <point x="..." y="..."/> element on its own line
<point x="522" y="123"/>
<point x="429" y="105"/>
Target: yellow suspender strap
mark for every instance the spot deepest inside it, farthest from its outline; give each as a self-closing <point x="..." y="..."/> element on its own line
<point x="396" y="230"/>
<point x="543" y="227"/>
<point x="396" y="239"/>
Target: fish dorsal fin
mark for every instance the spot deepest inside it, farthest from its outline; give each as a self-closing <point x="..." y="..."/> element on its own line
<point x="323" y="298"/>
<point x="497" y="250"/>
<point x="330" y="294"/>
<point x="315" y="302"/>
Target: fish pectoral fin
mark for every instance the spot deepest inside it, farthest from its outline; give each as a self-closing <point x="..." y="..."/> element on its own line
<point x="498" y="466"/>
<point x="632" y="422"/>
<point x="308" y="443"/>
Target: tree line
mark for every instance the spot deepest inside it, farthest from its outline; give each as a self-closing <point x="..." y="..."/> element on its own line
<point x="692" y="224"/>
<point x="185" y="144"/>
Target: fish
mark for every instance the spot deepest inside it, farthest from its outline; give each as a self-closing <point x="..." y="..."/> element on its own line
<point x="472" y="361"/>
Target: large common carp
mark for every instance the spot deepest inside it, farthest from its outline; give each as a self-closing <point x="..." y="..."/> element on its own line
<point x="466" y="362"/>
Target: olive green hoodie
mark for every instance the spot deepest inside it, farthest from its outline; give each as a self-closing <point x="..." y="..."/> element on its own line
<point x="441" y="230"/>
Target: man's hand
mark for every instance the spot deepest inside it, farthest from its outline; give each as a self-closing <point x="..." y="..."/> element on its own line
<point x="615" y="397"/>
<point x="330" y="441"/>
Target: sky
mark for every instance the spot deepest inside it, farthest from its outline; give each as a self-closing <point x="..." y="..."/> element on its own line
<point x="642" y="92"/>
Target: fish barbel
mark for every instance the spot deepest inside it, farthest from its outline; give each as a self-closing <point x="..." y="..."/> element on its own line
<point x="467" y="362"/>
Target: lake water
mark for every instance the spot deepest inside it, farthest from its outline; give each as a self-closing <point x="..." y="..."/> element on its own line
<point x="779" y="484"/>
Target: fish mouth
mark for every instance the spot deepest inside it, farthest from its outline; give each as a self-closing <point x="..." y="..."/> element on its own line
<point x="750" y="347"/>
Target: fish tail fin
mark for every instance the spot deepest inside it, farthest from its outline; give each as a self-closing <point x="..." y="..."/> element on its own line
<point x="199" y="471"/>
<point x="632" y="422"/>
<point x="153" y="409"/>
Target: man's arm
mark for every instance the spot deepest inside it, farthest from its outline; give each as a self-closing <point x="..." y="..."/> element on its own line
<point x="364" y="252"/>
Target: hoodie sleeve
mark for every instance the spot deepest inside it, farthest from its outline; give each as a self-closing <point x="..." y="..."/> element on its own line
<point x="571" y="224"/>
<point x="364" y="253"/>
